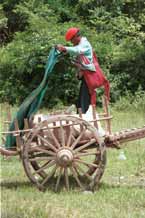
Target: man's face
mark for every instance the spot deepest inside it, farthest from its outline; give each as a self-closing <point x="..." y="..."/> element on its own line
<point x="75" y="40"/>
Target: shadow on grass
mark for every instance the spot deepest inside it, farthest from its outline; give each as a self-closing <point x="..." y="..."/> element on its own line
<point x="15" y="184"/>
<point x="5" y="214"/>
<point x="73" y="186"/>
<point x="50" y="186"/>
<point x="107" y="186"/>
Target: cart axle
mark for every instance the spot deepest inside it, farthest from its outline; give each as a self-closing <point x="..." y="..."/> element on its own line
<point x="64" y="157"/>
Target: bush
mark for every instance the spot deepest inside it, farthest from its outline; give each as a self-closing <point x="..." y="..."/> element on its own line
<point x="131" y="102"/>
<point x="116" y="32"/>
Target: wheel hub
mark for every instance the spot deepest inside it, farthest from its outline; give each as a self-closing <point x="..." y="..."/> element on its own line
<point x="64" y="157"/>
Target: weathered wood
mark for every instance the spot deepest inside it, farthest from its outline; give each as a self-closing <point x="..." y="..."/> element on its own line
<point x="62" y="133"/>
<point x="47" y="143"/>
<point x="80" y="112"/>
<point x="101" y="119"/>
<point x="8" y="152"/>
<point x="106" y="111"/>
<point x="58" y="179"/>
<point x="124" y="136"/>
<point x="86" y="163"/>
<point x="66" y="178"/>
<point x="74" y="172"/>
<point x="41" y="133"/>
<point x="49" y="175"/>
<point x="81" y="116"/>
<point x="17" y="135"/>
<point x="94" y="116"/>
<point x="61" y="153"/>
<point x="78" y="138"/>
<point x="85" y="145"/>
<point x="57" y="148"/>
<point x="83" y="171"/>
<point x="53" y="127"/>
<point x="26" y="126"/>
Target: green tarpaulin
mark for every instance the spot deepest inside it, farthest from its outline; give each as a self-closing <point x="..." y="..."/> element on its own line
<point x="32" y="103"/>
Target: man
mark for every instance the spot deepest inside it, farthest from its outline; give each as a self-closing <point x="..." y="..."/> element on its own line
<point x="87" y="64"/>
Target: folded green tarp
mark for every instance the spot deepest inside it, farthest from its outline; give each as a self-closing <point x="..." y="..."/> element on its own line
<point x="32" y="103"/>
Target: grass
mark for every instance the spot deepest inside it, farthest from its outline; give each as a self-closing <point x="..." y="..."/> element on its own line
<point x="121" y="193"/>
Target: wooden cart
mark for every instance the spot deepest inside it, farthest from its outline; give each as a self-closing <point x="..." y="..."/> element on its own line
<point x="66" y="150"/>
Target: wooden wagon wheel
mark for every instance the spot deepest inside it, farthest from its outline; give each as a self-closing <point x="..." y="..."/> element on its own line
<point x="64" y="148"/>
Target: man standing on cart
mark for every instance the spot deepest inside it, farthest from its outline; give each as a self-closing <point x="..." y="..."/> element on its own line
<point x="88" y="67"/>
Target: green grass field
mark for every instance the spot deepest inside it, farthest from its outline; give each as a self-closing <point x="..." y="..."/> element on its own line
<point x="121" y="193"/>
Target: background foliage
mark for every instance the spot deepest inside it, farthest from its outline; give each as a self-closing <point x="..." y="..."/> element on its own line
<point x="29" y="28"/>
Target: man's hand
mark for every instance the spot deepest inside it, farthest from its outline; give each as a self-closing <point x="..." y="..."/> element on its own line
<point x="61" y="48"/>
<point x="79" y="75"/>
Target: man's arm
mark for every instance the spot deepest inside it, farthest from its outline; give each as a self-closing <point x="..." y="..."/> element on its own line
<point x="74" y="50"/>
<point x="61" y="48"/>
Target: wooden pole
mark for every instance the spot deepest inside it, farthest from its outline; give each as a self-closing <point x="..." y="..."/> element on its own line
<point x="26" y="125"/>
<point x="80" y="112"/>
<point x="17" y="135"/>
<point x="106" y="111"/>
<point x="94" y="116"/>
<point x="41" y="131"/>
<point x="81" y="116"/>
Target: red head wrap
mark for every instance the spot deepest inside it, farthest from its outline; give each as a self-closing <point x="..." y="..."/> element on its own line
<point x="71" y="33"/>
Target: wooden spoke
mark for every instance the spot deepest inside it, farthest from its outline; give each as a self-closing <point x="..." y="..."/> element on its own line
<point x="30" y="138"/>
<point x="74" y="172"/>
<point x="85" y="145"/>
<point x="48" y="143"/>
<point x="58" y="179"/>
<point x="85" y="163"/>
<point x="78" y="138"/>
<point x="44" y="164"/>
<point x="62" y="132"/>
<point x="39" y="149"/>
<point x="84" y="173"/>
<point x="36" y="167"/>
<point x="96" y="170"/>
<point x="82" y="142"/>
<point x="41" y="158"/>
<point x="67" y="129"/>
<point x="40" y="154"/>
<point x="66" y="178"/>
<point x="40" y="133"/>
<point x="64" y="148"/>
<point x="54" y="138"/>
<point x="73" y="137"/>
<point x="75" y="131"/>
<point x="48" y="164"/>
<point x="48" y="130"/>
<point x="70" y="137"/>
<point x="49" y="175"/>
<point x="87" y="153"/>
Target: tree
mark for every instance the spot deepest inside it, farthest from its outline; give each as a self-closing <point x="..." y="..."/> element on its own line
<point x="29" y="29"/>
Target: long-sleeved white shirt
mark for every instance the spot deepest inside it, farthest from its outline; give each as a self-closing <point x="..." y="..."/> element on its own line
<point x="83" y="49"/>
